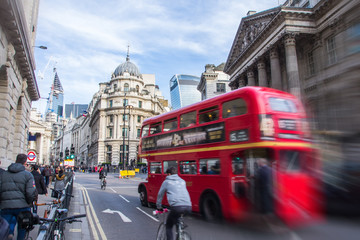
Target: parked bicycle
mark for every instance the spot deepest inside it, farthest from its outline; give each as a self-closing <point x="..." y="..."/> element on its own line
<point x="180" y="226"/>
<point x="59" y="223"/>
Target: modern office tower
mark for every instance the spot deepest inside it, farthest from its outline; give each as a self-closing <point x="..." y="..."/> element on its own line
<point x="55" y="102"/>
<point x="75" y="110"/>
<point x="183" y="90"/>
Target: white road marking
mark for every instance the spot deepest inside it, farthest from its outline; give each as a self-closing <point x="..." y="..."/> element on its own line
<point x="123" y="217"/>
<point x="124" y="198"/>
<point x="113" y="190"/>
<point x="91" y="222"/>
<point x="157" y="220"/>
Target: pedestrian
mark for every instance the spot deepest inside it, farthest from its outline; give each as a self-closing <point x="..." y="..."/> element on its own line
<point x="263" y="184"/>
<point x="46" y="173"/>
<point x="17" y="193"/>
<point x="178" y="198"/>
<point x="39" y="184"/>
<point x="59" y="184"/>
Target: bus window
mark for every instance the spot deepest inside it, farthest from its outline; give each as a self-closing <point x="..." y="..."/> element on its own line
<point x="290" y="160"/>
<point x="145" y="131"/>
<point x="234" y="108"/>
<point x="155" y="167"/>
<point x="237" y="166"/>
<point x="210" y="166"/>
<point x="188" y="119"/>
<point x="282" y="105"/>
<point x="155" y="128"/>
<point x="168" y="164"/>
<point x="170" y="124"/>
<point x="188" y="167"/>
<point x="208" y="114"/>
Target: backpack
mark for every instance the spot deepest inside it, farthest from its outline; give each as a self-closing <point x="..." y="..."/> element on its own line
<point x="4" y="228"/>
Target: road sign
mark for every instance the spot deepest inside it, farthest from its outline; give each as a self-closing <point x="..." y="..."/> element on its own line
<point x="31" y="157"/>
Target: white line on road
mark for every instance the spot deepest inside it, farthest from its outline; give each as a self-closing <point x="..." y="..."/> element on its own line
<point x="157" y="220"/>
<point x="124" y="198"/>
<point x="113" y="190"/>
<point x="96" y="220"/>
<point x="123" y="217"/>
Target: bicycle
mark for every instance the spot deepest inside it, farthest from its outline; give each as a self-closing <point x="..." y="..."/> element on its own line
<point x="180" y="226"/>
<point x="103" y="183"/>
<point x="59" y="223"/>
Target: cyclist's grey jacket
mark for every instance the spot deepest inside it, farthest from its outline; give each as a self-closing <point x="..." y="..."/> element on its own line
<point x="17" y="187"/>
<point x="176" y="192"/>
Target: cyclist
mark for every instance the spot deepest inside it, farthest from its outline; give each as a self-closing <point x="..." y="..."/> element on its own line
<point x="102" y="174"/>
<point x="178" y="198"/>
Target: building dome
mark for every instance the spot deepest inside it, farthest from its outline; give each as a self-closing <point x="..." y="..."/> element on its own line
<point x="128" y="67"/>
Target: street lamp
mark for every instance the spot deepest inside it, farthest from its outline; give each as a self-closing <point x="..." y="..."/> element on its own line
<point x="125" y="105"/>
<point x="41" y="47"/>
<point x="130" y="108"/>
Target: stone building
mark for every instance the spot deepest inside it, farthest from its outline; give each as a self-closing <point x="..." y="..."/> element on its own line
<point x="18" y="86"/>
<point x="117" y="112"/>
<point x="213" y="81"/>
<point x="311" y="49"/>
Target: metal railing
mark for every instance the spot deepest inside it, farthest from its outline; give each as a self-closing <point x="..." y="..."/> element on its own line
<point x="46" y="229"/>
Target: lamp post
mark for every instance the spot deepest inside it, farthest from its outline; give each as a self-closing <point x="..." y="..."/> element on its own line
<point x="130" y="107"/>
<point x="41" y="47"/>
<point x="123" y="132"/>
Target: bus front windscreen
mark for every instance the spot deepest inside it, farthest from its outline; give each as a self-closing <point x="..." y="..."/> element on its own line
<point x="282" y="105"/>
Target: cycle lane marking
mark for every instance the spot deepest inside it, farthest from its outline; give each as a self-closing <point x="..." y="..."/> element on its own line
<point x="96" y="219"/>
<point x="156" y="220"/>
<point x="124" y="198"/>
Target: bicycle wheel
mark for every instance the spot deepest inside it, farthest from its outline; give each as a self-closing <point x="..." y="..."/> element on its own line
<point x="185" y="236"/>
<point x="104" y="185"/>
<point x="161" y="233"/>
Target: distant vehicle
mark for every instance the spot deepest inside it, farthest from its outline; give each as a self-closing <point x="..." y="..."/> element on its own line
<point x="215" y="145"/>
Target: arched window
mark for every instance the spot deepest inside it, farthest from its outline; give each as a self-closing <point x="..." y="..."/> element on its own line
<point x="137" y="88"/>
<point x="126" y="87"/>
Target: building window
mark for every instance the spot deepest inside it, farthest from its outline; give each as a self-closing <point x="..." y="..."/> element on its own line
<point x="110" y="132"/>
<point x="310" y="63"/>
<point x="220" y="87"/>
<point x="138" y="132"/>
<point x="139" y="119"/>
<point x="126" y="87"/>
<point x="125" y="102"/>
<point x="124" y="132"/>
<point x="140" y="104"/>
<point x="109" y="153"/>
<point x="110" y="103"/>
<point x="115" y="86"/>
<point x="125" y="117"/>
<point x="111" y="118"/>
<point x="331" y="50"/>
<point x="137" y="88"/>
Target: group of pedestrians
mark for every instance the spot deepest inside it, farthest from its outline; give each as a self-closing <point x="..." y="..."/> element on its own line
<point x="19" y="188"/>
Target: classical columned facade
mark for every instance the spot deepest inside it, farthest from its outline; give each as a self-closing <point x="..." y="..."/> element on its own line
<point x="116" y="114"/>
<point x="18" y="86"/>
<point x="311" y="50"/>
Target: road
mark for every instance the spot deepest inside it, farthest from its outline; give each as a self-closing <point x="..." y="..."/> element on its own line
<point x="116" y="213"/>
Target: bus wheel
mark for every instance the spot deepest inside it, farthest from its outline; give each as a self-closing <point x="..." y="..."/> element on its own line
<point x="211" y="209"/>
<point x="143" y="197"/>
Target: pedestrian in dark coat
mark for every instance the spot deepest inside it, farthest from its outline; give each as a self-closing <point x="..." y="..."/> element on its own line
<point x="46" y="173"/>
<point x="39" y="180"/>
<point x="17" y="193"/>
<point x="264" y="185"/>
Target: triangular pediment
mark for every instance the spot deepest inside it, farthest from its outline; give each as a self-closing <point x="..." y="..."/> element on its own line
<point x="249" y="29"/>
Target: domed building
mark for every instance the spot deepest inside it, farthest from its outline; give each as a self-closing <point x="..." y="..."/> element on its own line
<point x="117" y="112"/>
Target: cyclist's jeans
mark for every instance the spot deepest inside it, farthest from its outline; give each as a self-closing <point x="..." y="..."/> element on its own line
<point x="173" y="217"/>
<point x="10" y="215"/>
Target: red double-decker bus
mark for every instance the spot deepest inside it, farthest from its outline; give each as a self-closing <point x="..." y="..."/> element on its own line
<point x="216" y="145"/>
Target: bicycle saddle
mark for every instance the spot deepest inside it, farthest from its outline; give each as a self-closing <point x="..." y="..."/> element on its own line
<point x="62" y="210"/>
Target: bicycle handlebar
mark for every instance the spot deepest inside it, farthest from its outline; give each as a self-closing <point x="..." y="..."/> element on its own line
<point x="157" y="212"/>
<point x="71" y="218"/>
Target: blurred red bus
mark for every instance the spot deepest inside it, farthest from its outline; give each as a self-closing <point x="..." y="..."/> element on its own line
<point x="215" y="143"/>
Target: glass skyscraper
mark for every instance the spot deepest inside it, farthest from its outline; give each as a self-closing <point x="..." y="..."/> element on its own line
<point x="183" y="90"/>
<point x="56" y="99"/>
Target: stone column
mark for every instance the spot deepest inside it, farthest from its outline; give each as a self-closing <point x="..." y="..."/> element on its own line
<point x="262" y="73"/>
<point x="292" y="68"/>
<point x="251" y="78"/>
<point x="241" y="81"/>
<point x="275" y="69"/>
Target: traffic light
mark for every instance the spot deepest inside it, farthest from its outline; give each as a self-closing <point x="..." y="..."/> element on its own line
<point x="72" y="152"/>
<point x="67" y="153"/>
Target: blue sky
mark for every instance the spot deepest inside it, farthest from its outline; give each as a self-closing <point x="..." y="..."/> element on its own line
<point x="88" y="39"/>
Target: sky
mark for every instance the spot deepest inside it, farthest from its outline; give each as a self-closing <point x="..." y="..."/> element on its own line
<point x="87" y="39"/>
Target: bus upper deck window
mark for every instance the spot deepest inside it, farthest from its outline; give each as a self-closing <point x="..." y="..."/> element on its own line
<point x="282" y="105"/>
<point x="155" y="128"/>
<point x="188" y="119"/>
<point x="145" y="131"/>
<point x="170" y="124"/>
<point x="208" y="114"/>
<point x="234" y="108"/>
